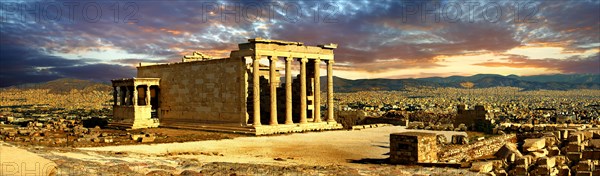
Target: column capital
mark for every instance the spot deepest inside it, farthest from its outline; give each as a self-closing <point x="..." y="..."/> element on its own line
<point x="330" y="61"/>
<point x="303" y="60"/>
<point x="256" y="57"/>
<point x="317" y="60"/>
<point x="272" y="58"/>
<point x="290" y="58"/>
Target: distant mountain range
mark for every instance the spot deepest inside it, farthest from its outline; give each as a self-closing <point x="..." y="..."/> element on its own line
<point x="537" y="82"/>
<point x="64" y="85"/>
<point x="548" y="82"/>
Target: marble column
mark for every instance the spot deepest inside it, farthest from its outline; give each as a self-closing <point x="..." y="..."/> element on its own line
<point x="317" y="91"/>
<point x="330" y="91"/>
<point x="288" y="90"/>
<point x="256" y="90"/>
<point x="273" y="87"/>
<point x="303" y="90"/>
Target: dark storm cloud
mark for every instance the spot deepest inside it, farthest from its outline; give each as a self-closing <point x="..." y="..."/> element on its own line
<point x="575" y="24"/>
<point x="96" y="72"/>
<point x="373" y="34"/>
<point x="20" y="65"/>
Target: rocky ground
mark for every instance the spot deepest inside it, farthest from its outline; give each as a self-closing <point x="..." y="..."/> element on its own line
<point x="161" y="151"/>
<point x="78" y="162"/>
<point x="358" y="152"/>
<point x="71" y="133"/>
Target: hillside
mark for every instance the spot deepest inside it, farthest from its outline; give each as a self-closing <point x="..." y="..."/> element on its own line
<point x="64" y="85"/>
<point x="60" y="93"/>
<point x="347" y="85"/>
<point x="537" y="82"/>
<point x="549" y="82"/>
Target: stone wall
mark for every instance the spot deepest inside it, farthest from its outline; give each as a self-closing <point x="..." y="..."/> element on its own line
<point x="475" y="150"/>
<point x="393" y="121"/>
<point x="537" y="128"/>
<point x="197" y="92"/>
<point x="475" y="119"/>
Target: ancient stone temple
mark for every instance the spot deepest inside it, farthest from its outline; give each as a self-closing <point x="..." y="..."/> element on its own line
<point x="236" y="94"/>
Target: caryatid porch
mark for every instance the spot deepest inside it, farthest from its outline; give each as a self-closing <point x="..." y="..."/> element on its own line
<point x="259" y="48"/>
<point x="135" y="102"/>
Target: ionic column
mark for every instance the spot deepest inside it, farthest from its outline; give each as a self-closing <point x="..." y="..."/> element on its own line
<point x="114" y="96"/>
<point x="288" y="90"/>
<point x="330" y="91"/>
<point x="303" y="90"/>
<point x="317" y="97"/>
<point x="256" y="90"/>
<point x="273" y="87"/>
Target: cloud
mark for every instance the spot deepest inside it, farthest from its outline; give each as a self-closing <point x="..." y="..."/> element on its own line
<point x="21" y="64"/>
<point x="368" y="33"/>
<point x="573" y="64"/>
<point x="95" y="72"/>
<point x="134" y="61"/>
<point x="571" y="24"/>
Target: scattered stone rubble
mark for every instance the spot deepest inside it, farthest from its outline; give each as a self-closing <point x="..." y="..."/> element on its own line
<point x="542" y="149"/>
<point x="474" y="150"/>
<point x="437" y="127"/>
<point x="64" y="133"/>
<point x="524" y="128"/>
<point x="143" y="138"/>
<point x="561" y="152"/>
<point x="36" y="132"/>
<point x="459" y="139"/>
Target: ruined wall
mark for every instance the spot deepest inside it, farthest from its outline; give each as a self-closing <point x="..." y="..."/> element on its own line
<point x="475" y="150"/>
<point x="200" y="92"/>
<point x="121" y="112"/>
<point x="474" y="119"/>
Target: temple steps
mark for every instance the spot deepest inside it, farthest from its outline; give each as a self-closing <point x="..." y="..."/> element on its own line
<point x="213" y="128"/>
<point x="119" y="125"/>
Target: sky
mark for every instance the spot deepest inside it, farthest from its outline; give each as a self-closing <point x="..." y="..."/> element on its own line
<point x="103" y="40"/>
